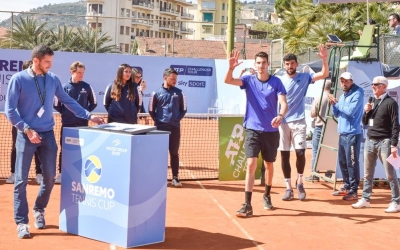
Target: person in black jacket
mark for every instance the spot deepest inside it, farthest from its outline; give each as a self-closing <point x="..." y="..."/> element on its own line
<point x="137" y="77"/>
<point x="382" y="117"/>
<point x="84" y="94"/>
<point x="122" y="99"/>
<point x="167" y="107"/>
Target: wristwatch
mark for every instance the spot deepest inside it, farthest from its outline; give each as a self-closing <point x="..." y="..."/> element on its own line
<point x="27" y="129"/>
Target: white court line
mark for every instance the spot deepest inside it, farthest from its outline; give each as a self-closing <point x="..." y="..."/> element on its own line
<point x="112" y="247"/>
<point x="227" y="214"/>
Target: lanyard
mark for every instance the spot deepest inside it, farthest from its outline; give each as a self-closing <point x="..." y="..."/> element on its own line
<point x="42" y="97"/>
<point x="377" y="106"/>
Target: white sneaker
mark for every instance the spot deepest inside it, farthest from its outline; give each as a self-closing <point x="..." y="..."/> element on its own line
<point x="393" y="208"/>
<point x="361" y="203"/>
<point x="58" y="179"/>
<point x="11" y="178"/>
<point x="39" y="178"/>
<point x="176" y="182"/>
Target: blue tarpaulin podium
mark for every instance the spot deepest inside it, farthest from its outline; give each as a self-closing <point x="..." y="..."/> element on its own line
<point x="114" y="180"/>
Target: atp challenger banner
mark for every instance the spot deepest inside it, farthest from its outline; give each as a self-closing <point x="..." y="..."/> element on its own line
<point x="196" y="77"/>
<point x="232" y="157"/>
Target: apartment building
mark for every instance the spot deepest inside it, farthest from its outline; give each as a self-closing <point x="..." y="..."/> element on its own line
<point x="212" y="18"/>
<point x="123" y="20"/>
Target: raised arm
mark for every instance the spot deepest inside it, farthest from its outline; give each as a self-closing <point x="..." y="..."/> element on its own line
<point x="323" y="54"/>
<point x="233" y="63"/>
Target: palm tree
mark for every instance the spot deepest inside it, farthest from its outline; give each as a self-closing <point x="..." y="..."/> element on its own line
<point x="27" y="33"/>
<point x="93" y="41"/>
<point x="64" y="39"/>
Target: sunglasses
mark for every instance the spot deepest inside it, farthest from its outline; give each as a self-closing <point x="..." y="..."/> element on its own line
<point x="377" y="84"/>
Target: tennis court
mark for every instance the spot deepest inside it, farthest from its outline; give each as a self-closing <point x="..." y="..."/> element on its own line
<point x="201" y="215"/>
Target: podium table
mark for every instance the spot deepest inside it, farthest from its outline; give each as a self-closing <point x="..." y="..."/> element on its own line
<point x="113" y="186"/>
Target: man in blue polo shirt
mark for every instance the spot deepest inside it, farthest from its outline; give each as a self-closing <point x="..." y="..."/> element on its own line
<point x="261" y="121"/>
<point x="349" y="111"/>
<point x="293" y="128"/>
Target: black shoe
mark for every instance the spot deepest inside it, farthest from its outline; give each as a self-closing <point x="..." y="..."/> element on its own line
<point x="312" y="178"/>
<point x="267" y="202"/>
<point x="245" y="211"/>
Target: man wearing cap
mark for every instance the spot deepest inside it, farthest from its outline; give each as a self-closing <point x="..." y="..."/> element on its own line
<point x="348" y="111"/>
<point x="382" y="117"/>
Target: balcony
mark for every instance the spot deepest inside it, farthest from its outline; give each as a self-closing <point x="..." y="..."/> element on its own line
<point x="187" y="16"/>
<point x="169" y="12"/>
<point x="186" y="31"/>
<point x="143" y="5"/>
<point x="144" y="22"/>
<point x="208" y="22"/>
<point x="94" y="13"/>
<point x="168" y="27"/>
<point x="184" y="2"/>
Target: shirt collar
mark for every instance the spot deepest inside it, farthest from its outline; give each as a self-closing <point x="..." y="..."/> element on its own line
<point x="381" y="97"/>
<point x="30" y="72"/>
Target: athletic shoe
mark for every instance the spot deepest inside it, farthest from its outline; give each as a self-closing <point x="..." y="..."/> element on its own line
<point x="267" y="202"/>
<point x="245" y="211"/>
<point x="393" y="208"/>
<point x="39" y="178"/>
<point x="288" y="195"/>
<point x="350" y="196"/>
<point x="301" y="192"/>
<point x="361" y="203"/>
<point x="58" y="179"/>
<point x="11" y="179"/>
<point x="340" y="192"/>
<point x="23" y="232"/>
<point x="312" y="178"/>
<point x="176" y="182"/>
<point x="40" y="223"/>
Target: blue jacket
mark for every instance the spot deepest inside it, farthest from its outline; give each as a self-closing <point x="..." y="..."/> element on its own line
<point x="124" y="110"/>
<point x="167" y="107"/>
<point x="349" y="111"/>
<point x="23" y="101"/>
<point x="83" y="93"/>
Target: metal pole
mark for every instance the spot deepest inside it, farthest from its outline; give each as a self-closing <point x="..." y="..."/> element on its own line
<point x="244" y="41"/>
<point x="165" y="47"/>
<point x="95" y="38"/>
<point x="12" y="29"/>
<point x="231" y="27"/>
<point x="173" y="38"/>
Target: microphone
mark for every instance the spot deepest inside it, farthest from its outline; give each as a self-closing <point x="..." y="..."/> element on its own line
<point x="370" y="99"/>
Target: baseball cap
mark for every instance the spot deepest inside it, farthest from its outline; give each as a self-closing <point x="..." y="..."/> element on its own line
<point x="347" y="76"/>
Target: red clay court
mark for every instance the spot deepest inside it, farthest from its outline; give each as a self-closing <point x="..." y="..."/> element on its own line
<point x="201" y="215"/>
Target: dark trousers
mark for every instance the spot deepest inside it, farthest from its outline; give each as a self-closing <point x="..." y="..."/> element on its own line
<point x="14" y="132"/>
<point x="348" y="155"/>
<point x="174" y="141"/>
<point x="61" y="138"/>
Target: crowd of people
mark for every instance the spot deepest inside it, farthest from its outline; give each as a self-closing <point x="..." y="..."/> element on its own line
<point x="274" y="120"/>
<point x="34" y="92"/>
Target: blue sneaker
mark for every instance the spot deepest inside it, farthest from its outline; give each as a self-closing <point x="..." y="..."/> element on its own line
<point x="40" y="223"/>
<point x="23" y="232"/>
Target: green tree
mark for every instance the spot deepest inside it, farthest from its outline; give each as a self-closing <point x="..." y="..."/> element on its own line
<point x="93" y="41"/>
<point x="63" y="39"/>
<point x="27" y="33"/>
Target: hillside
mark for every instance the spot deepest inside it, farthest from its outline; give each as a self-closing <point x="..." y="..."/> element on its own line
<point x="78" y="8"/>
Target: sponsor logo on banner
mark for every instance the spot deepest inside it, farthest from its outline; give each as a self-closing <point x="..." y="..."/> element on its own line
<point x="197" y="84"/>
<point x="193" y="70"/>
<point x="74" y="141"/>
<point x="115" y="150"/>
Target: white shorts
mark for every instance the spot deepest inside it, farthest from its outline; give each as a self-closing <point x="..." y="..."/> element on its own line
<point x="293" y="133"/>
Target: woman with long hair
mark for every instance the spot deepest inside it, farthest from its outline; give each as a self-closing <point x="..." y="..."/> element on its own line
<point x="122" y="99"/>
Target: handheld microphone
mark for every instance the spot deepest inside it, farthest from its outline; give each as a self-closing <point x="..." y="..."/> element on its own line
<point x="370" y="99"/>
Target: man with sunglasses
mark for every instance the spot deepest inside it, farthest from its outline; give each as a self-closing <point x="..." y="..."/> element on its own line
<point x="394" y="22"/>
<point x="382" y="117"/>
<point x="348" y="111"/>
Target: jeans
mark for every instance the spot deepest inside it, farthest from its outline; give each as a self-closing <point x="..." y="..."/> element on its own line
<point x="348" y="155"/>
<point x="14" y="132"/>
<point x="174" y="141"/>
<point x="372" y="150"/>
<point x="315" y="143"/>
<point x="47" y="151"/>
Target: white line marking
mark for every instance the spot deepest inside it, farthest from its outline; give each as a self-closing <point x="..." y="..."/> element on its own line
<point x="227" y="214"/>
<point x="112" y="247"/>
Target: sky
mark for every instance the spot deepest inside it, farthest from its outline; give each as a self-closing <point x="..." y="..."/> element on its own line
<point x="26" y="5"/>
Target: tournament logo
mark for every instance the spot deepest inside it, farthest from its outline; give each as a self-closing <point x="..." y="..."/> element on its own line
<point x="92" y="169"/>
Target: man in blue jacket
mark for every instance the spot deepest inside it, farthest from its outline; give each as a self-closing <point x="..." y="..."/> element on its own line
<point x="29" y="107"/>
<point x="167" y="107"/>
<point x="349" y="111"/>
<point x="81" y="92"/>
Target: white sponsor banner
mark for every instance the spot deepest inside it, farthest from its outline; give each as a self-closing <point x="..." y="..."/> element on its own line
<point x="196" y="76"/>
